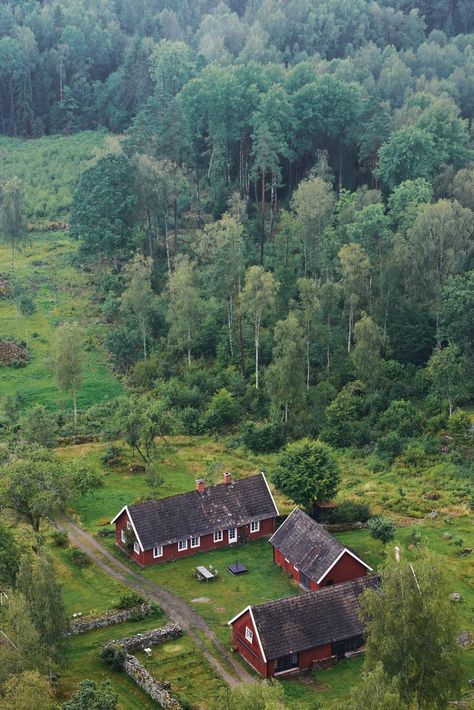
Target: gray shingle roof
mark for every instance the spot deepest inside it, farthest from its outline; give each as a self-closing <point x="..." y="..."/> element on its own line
<point x="306" y="544"/>
<point x="167" y="520"/>
<point x="312" y="619"/>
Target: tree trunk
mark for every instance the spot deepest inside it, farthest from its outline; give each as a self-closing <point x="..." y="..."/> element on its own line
<point x="328" y="344"/>
<point x="189" y="345"/>
<point x="257" y="344"/>
<point x="167" y="244"/>
<point x="74" y="401"/>
<point x="286" y="412"/>
<point x="144" y="343"/>
<point x="241" y="333"/>
<point x="273" y="206"/>
<point x="229" y="325"/>
<point x="198" y="192"/>
<point x="262" y="221"/>
<point x="175" y="208"/>
<point x="349" y="334"/>
<point x="340" y="169"/>
<point x="307" y="362"/>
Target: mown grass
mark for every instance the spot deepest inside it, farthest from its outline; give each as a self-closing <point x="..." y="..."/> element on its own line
<point x="48" y="169"/>
<point x="61" y="293"/>
<point x="187" y="669"/>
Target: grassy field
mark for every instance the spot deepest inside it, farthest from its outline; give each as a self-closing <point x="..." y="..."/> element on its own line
<point x="187" y="458"/>
<point x="48" y="169"/>
<point x="61" y="293"/>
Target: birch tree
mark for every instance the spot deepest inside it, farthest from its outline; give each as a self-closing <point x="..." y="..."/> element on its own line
<point x="184" y="305"/>
<point x="69" y="361"/>
<point x="258" y="301"/>
<point x="309" y="309"/>
<point x="137" y="299"/>
<point x="313" y="203"/>
<point x="12" y="224"/>
<point x="285" y="376"/>
<point x="355" y="271"/>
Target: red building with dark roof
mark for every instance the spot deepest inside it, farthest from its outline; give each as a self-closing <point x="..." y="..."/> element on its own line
<point x="206" y="518"/>
<point x="303" y="632"/>
<point x="314" y="558"/>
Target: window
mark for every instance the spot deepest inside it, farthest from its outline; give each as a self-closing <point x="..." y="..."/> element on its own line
<point x="248" y="634"/>
<point x="158" y="551"/>
<point x="182" y="545"/>
<point x="218" y="536"/>
<point x="195" y="541"/>
<point x="255" y="526"/>
<point x="136" y="547"/>
<point x="129" y="527"/>
<point x="122" y="536"/>
<point x="232" y="534"/>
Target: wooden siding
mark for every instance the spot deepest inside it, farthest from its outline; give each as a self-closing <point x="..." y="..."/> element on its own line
<point x="345" y="570"/>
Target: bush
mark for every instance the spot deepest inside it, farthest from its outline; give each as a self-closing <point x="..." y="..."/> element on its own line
<point x="222" y="411"/>
<point x="60" y="538"/>
<point x="112" y="455"/>
<point x="79" y="558"/>
<point x="389" y="446"/>
<point x="401" y="417"/>
<point x="129" y="599"/>
<point x="381" y="528"/>
<point x="263" y="438"/>
<point x="347" y="512"/>
<point x="114" y="656"/>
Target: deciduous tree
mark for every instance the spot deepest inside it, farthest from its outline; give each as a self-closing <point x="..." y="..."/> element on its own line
<point x="69" y="361"/>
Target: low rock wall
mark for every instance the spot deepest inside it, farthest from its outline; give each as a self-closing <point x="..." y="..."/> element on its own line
<point x="82" y="625"/>
<point x="156" y="690"/>
<point x="147" y="638"/>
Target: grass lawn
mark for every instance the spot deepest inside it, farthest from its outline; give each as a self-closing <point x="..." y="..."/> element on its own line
<point x="83" y="661"/>
<point x="187" y="669"/>
<point x="61" y="293"/>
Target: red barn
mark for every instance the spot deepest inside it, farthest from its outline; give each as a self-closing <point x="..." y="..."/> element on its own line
<point x="203" y="519"/>
<point x="307" y="631"/>
<point x="314" y="558"/>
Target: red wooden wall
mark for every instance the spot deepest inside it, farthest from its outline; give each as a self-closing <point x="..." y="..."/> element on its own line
<point x="346" y="569"/>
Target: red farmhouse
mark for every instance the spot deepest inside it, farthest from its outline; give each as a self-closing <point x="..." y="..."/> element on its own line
<point x="312" y="556"/>
<point x="203" y="519"/>
<point x="307" y="631"/>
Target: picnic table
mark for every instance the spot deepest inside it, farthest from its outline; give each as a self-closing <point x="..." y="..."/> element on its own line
<point x="204" y="573"/>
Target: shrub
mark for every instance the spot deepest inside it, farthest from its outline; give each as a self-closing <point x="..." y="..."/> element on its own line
<point x="347" y="512"/>
<point x="79" y="558"/>
<point x="60" y="538"/>
<point x="111" y="455"/>
<point x="381" y="528"/>
<point x="401" y="417"/>
<point x="129" y="599"/>
<point x="389" y="446"/>
<point x="114" y="656"/>
<point x="222" y="411"/>
<point x="263" y="438"/>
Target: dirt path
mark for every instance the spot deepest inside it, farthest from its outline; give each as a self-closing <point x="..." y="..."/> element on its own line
<point x="175" y="608"/>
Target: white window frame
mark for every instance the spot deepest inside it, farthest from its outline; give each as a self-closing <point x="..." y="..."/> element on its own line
<point x="136" y="547"/>
<point x="218" y="536"/>
<point x="182" y="545"/>
<point x="255" y="526"/>
<point x="122" y="536"/>
<point x="234" y="537"/>
<point x="157" y="551"/>
<point x="195" y="541"/>
<point x="248" y="634"/>
<point x="129" y="526"/>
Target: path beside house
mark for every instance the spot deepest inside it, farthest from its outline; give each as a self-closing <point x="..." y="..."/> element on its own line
<point x="175" y="608"/>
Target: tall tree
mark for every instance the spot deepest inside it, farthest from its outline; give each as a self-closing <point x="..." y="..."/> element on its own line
<point x="355" y="270"/>
<point x="37" y="582"/>
<point x="308" y="293"/>
<point x="20" y="649"/>
<point x="28" y="691"/>
<point x="184" y="306"/>
<point x="69" y="361"/>
<point x="447" y="371"/>
<point x="313" y="203"/>
<point x="366" y="354"/>
<point x="375" y="691"/>
<point x="258" y="300"/>
<point x="12" y="223"/>
<point x="412" y="630"/>
<point x="91" y="695"/>
<point x="137" y="298"/>
<point x="261" y="695"/>
<point x="285" y="376"/>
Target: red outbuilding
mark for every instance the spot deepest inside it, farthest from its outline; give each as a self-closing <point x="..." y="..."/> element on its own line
<point x="206" y="518"/>
<point x="307" y="631"/>
<point x="314" y="558"/>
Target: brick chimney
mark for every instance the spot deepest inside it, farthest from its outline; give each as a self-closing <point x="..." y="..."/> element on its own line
<point x="227" y="478"/>
<point x="200" y="485"/>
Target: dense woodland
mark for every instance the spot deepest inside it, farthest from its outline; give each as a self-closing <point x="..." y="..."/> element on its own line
<point x="278" y="233"/>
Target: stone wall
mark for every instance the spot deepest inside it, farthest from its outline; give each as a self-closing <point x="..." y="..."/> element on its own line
<point x="160" y="692"/>
<point x="81" y="625"/>
<point x="157" y="691"/>
<point x="148" y="638"/>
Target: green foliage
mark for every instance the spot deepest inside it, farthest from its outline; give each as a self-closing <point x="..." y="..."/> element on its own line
<point x="221" y="412"/>
<point x="307" y="471"/>
<point x="412" y="631"/>
<point x="129" y="599"/>
<point x="114" y="656"/>
<point x="261" y="695"/>
<point x="263" y="438"/>
<point x="346" y="512"/>
<point x="9" y="556"/>
<point x="401" y="417"/>
<point x="375" y="691"/>
<point x="78" y="557"/>
<point x="38" y="427"/>
<point x="28" y="691"/>
<point x="381" y="528"/>
<point x="92" y="696"/>
<point x="60" y="538"/>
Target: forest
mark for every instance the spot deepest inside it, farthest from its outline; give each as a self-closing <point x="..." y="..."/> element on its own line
<point x="244" y="227"/>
